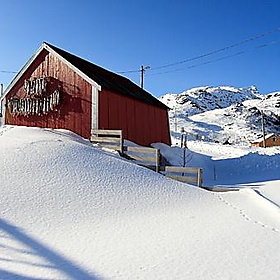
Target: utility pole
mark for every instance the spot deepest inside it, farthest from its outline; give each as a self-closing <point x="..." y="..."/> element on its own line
<point x="184" y="145"/>
<point x="142" y="72"/>
<point x="175" y="119"/>
<point x="263" y="129"/>
<point x="1" y="94"/>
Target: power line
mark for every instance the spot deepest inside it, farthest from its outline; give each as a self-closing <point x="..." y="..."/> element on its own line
<point x="209" y="53"/>
<point x="222" y="49"/>
<point x="216" y="59"/>
<point x="7" y="72"/>
<point x="129" y="71"/>
<point x="197" y="57"/>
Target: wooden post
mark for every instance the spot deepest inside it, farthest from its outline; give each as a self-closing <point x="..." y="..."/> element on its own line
<point x="1" y="108"/>
<point x="157" y="161"/>
<point x="199" y="177"/>
<point x="121" y="143"/>
<point x="142" y="76"/>
<point x="263" y="129"/>
<point x="142" y="71"/>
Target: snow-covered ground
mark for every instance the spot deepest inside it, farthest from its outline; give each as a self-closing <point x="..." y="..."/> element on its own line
<point x="72" y="211"/>
<point x="226" y="164"/>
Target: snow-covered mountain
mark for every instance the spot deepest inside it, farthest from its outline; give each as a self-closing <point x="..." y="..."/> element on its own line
<point x="223" y="114"/>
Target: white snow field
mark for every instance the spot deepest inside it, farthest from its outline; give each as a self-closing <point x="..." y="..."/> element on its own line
<point x="72" y="211"/>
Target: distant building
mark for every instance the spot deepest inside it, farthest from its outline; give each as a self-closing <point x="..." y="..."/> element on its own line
<point x="270" y="140"/>
<point x="56" y="89"/>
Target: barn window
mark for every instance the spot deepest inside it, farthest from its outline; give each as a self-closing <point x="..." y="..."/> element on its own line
<point x="274" y="139"/>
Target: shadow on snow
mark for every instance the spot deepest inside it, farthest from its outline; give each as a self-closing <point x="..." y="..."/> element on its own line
<point x="55" y="261"/>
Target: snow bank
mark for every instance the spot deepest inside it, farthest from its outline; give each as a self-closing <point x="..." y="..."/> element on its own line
<point x="71" y="211"/>
<point x="225" y="164"/>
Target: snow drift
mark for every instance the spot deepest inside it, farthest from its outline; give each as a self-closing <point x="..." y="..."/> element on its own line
<point x="71" y="211"/>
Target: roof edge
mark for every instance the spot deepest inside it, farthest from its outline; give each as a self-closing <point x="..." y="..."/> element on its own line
<point x="47" y="47"/>
<point x="21" y="71"/>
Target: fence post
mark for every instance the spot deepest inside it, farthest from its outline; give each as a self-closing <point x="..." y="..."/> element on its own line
<point x="199" y="177"/>
<point x="157" y="161"/>
<point x="121" y="142"/>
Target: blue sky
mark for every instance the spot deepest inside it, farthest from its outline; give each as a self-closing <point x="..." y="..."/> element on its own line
<point x="243" y="35"/>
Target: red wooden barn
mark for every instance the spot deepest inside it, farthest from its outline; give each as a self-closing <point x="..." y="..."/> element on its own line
<point x="56" y="89"/>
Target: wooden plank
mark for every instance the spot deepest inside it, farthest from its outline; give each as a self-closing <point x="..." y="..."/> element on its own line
<point x="101" y="136"/>
<point x="183" y="179"/>
<point x="143" y="159"/>
<point x="139" y="149"/>
<point x="104" y="139"/>
<point x="106" y="132"/>
<point x="179" y="169"/>
<point x="194" y="174"/>
<point x="111" y="147"/>
<point x="143" y="155"/>
<point x="221" y="189"/>
<point x="151" y="167"/>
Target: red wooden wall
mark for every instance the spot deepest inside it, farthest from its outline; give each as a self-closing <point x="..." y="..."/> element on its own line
<point x="269" y="142"/>
<point x="73" y="114"/>
<point x="141" y="122"/>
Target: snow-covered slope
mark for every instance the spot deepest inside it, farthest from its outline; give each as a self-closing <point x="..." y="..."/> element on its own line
<point x="202" y="99"/>
<point x="71" y="211"/>
<point x="223" y="114"/>
<point x="226" y="165"/>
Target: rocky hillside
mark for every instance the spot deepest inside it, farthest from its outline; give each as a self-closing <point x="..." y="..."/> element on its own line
<point x="223" y="114"/>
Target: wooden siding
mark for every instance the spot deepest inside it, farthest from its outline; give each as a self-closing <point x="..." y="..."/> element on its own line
<point x="269" y="142"/>
<point x="74" y="112"/>
<point x="140" y="122"/>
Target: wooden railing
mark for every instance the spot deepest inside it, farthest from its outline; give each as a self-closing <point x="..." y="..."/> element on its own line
<point x="111" y="139"/>
<point x="148" y="157"/>
<point x="145" y="156"/>
<point x="184" y="174"/>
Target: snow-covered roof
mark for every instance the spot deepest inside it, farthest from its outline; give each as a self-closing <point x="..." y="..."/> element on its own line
<point x="266" y="137"/>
